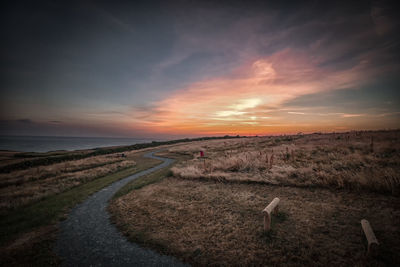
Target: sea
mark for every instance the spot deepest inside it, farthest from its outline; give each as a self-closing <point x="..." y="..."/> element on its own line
<point x="54" y="143"/>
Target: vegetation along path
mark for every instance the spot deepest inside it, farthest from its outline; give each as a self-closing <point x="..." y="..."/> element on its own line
<point x="88" y="238"/>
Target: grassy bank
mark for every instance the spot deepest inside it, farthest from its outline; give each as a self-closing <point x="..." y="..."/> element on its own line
<point x="37" y="219"/>
<point x="21" y="188"/>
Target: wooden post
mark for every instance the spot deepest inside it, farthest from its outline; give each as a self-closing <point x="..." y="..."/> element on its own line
<point x="369" y="234"/>
<point x="272" y="207"/>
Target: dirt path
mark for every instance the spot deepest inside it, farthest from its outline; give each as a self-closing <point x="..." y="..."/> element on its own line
<point x="88" y="238"/>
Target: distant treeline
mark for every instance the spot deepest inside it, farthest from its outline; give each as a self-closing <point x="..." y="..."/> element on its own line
<point x="43" y="161"/>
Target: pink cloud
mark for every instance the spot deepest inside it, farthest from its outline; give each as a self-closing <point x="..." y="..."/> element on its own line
<point x="242" y="100"/>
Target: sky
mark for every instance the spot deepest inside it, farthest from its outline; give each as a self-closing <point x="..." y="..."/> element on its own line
<point x="171" y="69"/>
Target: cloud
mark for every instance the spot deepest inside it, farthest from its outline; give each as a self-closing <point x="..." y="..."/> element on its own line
<point x="296" y="113"/>
<point x="26" y="121"/>
<point x="352" y="115"/>
<point x="383" y="21"/>
<point x="251" y="95"/>
<point x="201" y="67"/>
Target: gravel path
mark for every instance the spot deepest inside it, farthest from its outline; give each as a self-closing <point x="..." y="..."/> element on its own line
<point x="88" y="238"/>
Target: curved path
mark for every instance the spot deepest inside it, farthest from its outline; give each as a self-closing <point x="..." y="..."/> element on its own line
<point x="88" y="238"/>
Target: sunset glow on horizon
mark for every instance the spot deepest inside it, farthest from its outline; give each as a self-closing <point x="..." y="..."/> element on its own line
<point x="199" y="69"/>
<point x="252" y="100"/>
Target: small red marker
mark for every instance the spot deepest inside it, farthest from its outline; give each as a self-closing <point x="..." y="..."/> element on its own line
<point x="201" y="153"/>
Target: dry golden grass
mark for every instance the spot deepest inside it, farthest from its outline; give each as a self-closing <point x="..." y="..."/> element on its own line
<point x="327" y="160"/>
<point x="25" y="186"/>
<point x="209" y="213"/>
<point x="22" y="187"/>
<point x="209" y="223"/>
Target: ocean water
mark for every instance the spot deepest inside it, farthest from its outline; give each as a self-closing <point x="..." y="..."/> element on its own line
<point x="53" y="143"/>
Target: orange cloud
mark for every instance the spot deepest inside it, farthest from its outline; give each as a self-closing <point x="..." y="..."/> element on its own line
<point x="249" y="101"/>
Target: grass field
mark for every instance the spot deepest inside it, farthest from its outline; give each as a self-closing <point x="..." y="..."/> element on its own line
<point x="38" y="189"/>
<point x="28" y="231"/>
<point x="22" y="187"/>
<point x="366" y="161"/>
<point x="208" y="211"/>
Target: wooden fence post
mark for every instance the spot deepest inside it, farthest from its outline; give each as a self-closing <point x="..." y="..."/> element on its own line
<point x="369" y="234"/>
<point x="272" y="207"/>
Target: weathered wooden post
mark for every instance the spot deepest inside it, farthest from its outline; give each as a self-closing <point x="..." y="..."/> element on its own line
<point x="369" y="234"/>
<point x="272" y="207"/>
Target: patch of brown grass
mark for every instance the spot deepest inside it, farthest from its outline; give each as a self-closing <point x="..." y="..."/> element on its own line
<point x="325" y="160"/>
<point x="22" y="187"/>
<point x="208" y="223"/>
